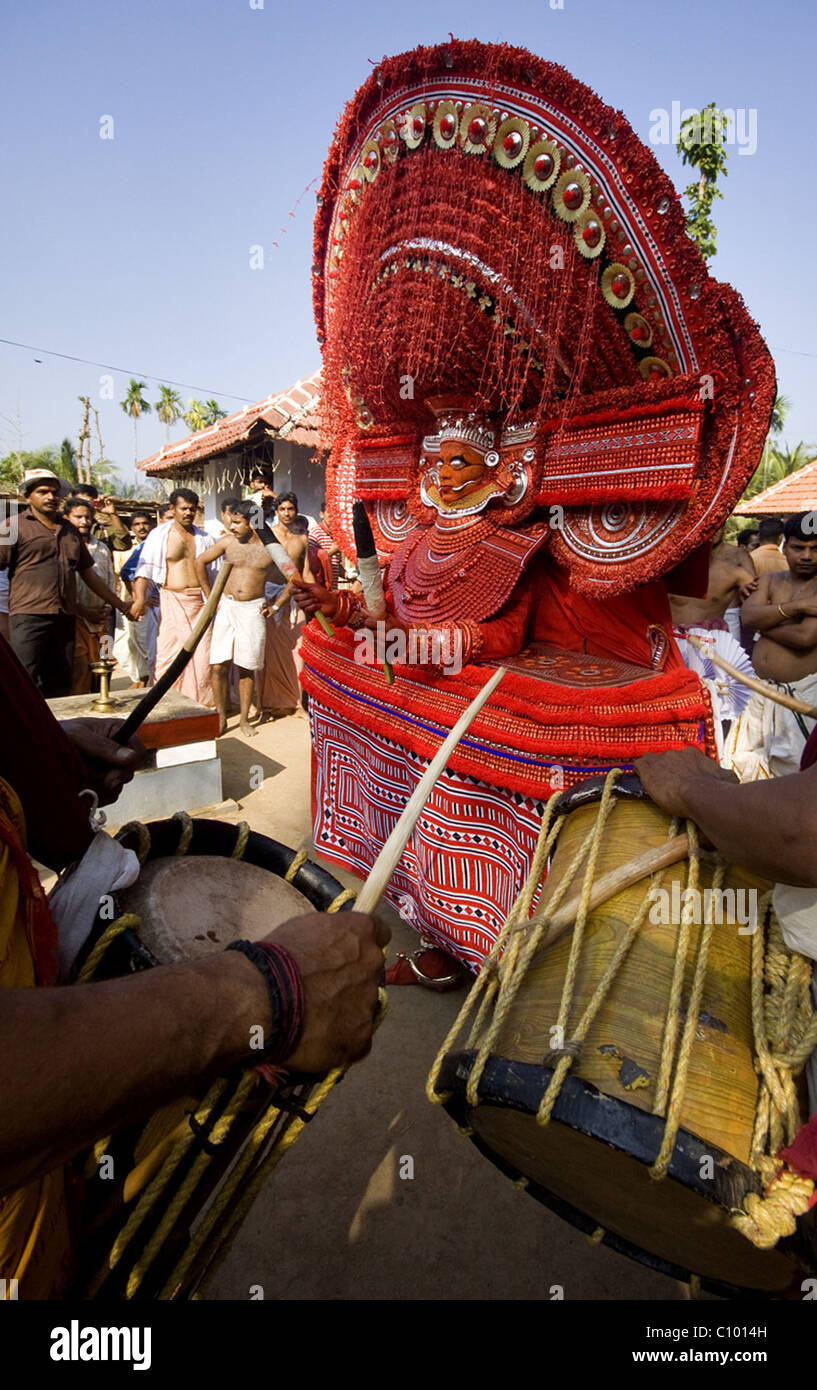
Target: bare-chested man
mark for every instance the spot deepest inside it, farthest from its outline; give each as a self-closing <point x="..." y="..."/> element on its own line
<point x="239" y="630"/>
<point x="169" y="559"/>
<point x="731" y="576"/>
<point x="279" y="692"/>
<point x="783" y="610"/>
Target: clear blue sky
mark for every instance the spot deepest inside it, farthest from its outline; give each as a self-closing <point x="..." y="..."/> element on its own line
<point x="134" y="251"/>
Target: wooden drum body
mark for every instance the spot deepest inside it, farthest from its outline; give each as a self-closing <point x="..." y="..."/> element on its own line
<point x="165" y="1198"/>
<point x="591" y="1161"/>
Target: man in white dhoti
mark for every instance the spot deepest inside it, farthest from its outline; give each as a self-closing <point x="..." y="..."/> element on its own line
<point x="239" y="629"/>
<point x="768" y="740"/>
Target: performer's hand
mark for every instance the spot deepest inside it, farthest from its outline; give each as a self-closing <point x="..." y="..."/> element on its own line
<point x="314" y="598"/>
<point x="341" y="962"/>
<point x="107" y="766"/>
<point x="666" y="776"/>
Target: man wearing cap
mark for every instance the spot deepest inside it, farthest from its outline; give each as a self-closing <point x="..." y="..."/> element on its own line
<point x="43" y="555"/>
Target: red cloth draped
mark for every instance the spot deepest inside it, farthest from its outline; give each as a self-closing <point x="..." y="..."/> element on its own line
<point x="39" y="762"/>
<point x="615" y="626"/>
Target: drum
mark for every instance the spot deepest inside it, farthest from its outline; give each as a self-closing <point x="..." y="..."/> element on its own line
<point x="637" y="1072"/>
<point x="165" y="1199"/>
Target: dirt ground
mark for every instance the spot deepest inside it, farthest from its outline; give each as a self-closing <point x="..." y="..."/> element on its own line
<point x="342" y="1218"/>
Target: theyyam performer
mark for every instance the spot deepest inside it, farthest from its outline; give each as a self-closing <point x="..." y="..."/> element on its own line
<point x="548" y="407"/>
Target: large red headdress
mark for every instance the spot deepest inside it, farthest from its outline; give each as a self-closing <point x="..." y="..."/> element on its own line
<point x="488" y="227"/>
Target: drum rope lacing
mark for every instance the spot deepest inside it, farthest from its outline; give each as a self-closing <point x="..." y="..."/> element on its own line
<point x="784" y="1021"/>
<point x="212" y="1124"/>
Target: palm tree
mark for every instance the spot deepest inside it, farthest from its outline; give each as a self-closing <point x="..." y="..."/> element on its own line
<point x="135" y="405"/>
<point x="68" y="462"/>
<point x="196" y="417"/>
<point x="105" y="476"/>
<point x="214" y="411"/>
<point x="778" y="463"/>
<point x="168" y="408"/>
<point x="780" y="409"/>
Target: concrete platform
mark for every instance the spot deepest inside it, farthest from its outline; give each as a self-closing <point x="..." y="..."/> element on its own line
<point x="183" y="769"/>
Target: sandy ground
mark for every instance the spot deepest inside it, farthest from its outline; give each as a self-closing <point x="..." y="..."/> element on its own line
<point x="337" y="1220"/>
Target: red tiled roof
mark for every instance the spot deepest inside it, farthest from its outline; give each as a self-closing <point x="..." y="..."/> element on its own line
<point x="292" y="414"/>
<point x="797" y="493"/>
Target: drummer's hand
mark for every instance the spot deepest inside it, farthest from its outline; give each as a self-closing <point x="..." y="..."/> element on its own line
<point x="666" y="776"/>
<point x="314" y="598"/>
<point x="341" y="961"/>
<point x="107" y="766"/>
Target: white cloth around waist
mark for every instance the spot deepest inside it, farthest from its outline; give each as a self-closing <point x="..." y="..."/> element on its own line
<point x="239" y="633"/>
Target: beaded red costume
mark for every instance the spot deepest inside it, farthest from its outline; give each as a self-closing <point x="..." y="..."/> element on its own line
<point x="547" y="404"/>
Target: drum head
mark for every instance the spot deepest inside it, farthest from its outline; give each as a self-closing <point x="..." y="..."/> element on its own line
<point x="193" y="907"/>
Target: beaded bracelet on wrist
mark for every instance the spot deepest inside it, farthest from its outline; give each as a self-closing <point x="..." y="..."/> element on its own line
<point x="286" y="995"/>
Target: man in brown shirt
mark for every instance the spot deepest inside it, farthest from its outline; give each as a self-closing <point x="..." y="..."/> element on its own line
<point x="767" y="555"/>
<point x="43" y="554"/>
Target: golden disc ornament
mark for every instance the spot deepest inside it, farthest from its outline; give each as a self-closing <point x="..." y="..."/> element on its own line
<point x="542" y="164"/>
<point x="639" y="330"/>
<point x="618" y="285"/>
<point x="589" y="234"/>
<point x="389" y="141"/>
<point x="446" y="125"/>
<point x="477" y="128"/>
<point x="511" y="142"/>
<point x="370" y="160"/>
<point x="414" y="125"/>
<point x="572" y="194"/>
<point x="650" y="365"/>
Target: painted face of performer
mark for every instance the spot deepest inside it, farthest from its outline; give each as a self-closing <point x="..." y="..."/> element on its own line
<point x="461" y="473"/>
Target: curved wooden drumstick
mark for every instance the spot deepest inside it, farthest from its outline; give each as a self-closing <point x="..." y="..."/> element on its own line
<point x="789" y="701"/>
<point x="389" y="856"/>
<point x="674" y="851"/>
<point x="140" y="712"/>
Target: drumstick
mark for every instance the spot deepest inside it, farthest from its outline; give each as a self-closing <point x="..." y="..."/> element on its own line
<point x="753" y="683"/>
<point x="368" y="567"/>
<point x="140" y="712"/>
<point x="674" y="851"/>
<point x="290" y="571"/>
<point x="389" y="856"/>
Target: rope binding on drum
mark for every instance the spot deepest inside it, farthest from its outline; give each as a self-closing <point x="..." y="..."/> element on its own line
<point x="783" y="1016"/>
<point x="245" y="1113"/>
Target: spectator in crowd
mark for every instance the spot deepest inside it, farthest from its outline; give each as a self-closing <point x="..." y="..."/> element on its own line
<point x="168" y="561"/>
<point x="265" y="497"/>
<point x="767" y="555"/>
<point x="43" y="554"/>
<point x="769" y="739"/>
<point x="216" y="529"/>
<point x="278" y="687"/>
<point x="92" y="613"/>
<point x="135" y="646"/>
<point x="239" y="629"/>
<point x="324" y="552"/>
<point x="747" y="537"/>
<point x="108" y="525"/>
